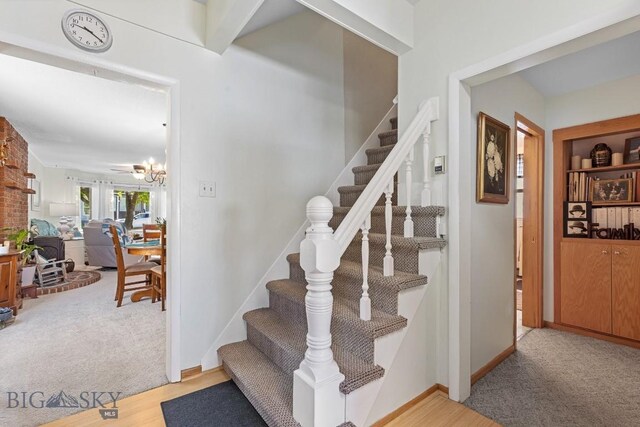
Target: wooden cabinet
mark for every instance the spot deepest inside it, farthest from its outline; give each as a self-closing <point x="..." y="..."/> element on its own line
<point x="9" y="282"/>
<point x="625" y="292"/>
<point x="585" y="296"/>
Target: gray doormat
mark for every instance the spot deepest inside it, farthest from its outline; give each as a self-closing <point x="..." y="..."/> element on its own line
<point x="219" y="405"/>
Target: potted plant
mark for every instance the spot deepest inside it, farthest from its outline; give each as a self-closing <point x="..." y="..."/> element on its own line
<point x="27" y="263"/>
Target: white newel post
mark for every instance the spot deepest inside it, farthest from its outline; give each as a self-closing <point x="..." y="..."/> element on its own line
<point x="426" y="190"/>
<point x="408" y="222"/>
<point x="365" y="301"/>
<point x="388" y="218"/>
<point x="317" y="400"/>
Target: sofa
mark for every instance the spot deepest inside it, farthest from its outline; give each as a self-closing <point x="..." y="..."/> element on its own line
<point x="99" y="244"/>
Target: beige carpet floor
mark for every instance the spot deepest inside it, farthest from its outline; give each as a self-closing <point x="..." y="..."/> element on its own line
<point x="561" y="379"/>
<point x="78" y="341"/>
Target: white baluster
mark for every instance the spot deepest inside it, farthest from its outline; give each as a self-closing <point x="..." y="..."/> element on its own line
<point x="408" y="222"/>
<point x="316" y="393"/>
<point x="388" y="216"/>
<point x="365" y="301"/>
<point x="426" y="190"/>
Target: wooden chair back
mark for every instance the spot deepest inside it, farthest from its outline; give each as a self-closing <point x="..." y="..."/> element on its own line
<point x="150" y="232"/>
<point x="118" y="249"/>
<point x="163" y="253"/>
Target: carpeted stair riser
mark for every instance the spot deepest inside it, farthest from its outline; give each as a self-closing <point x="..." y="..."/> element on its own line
<point x="424" y="219"/>
<point x="350" y="333"/>
<point x="359" y="345"/>
<point x="266" y="386"/>
<point x="388" y="138"/>
<point x="283" y="341"/>
<point x="405" y="255"/>
<point x="349" y="194"/>
<point x="375" y="156"/>
<point x="347" y="283"/>
<point x="394" y="123"/>
<point x="363" y="174"/>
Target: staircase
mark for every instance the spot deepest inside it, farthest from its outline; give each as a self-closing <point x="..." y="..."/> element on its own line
<point x="263" y="365"/>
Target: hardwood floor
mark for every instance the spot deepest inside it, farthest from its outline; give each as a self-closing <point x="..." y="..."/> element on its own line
<point x="437" y="410"/>
<point x="144" y="409"/>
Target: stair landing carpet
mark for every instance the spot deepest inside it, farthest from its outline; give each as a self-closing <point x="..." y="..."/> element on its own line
<point x="561" y="379"/>
<point x="221" y="405"/>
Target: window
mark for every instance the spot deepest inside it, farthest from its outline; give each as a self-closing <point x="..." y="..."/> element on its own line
<point x="131" y="207"/>
<point x="85" y="205"/>
<point x="520" y="166"/>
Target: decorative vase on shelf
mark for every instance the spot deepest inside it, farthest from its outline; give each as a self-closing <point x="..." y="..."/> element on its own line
<point x="601" y="155"/>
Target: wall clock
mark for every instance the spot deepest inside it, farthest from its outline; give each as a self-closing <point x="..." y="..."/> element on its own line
<point x="86" y="30"/>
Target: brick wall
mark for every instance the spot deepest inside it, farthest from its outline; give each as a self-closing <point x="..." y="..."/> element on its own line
<point x="14" y="204"/>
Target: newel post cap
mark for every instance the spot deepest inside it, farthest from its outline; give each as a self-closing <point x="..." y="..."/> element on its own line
<point x="319" y="211"/>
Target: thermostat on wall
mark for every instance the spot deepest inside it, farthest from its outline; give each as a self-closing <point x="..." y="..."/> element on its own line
<point x="439" y="165"/>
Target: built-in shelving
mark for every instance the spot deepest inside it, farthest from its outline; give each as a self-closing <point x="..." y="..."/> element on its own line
<point x="11" y="184"/>
<point x="627" y="166"/>
<point x="30" y="175"/>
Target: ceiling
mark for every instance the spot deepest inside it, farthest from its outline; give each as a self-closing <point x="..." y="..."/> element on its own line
<point x="590" y="67"/>
<point x="77" y="121"/>
<point x="270" y="12"/>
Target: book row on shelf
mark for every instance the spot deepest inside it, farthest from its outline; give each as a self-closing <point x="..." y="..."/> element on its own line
<point x="580" y="184"/>
<point x="615" y="217"/>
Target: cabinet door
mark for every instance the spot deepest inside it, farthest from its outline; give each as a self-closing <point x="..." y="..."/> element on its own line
<point x="625" y="283"/>
<point x="5" y="283"/>
<point x="585" y="294"/>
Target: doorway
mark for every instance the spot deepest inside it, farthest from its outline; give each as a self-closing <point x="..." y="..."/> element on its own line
<point x="529" y="226"/>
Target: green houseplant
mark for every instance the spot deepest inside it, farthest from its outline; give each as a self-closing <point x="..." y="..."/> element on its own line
<point x="20" y="237"/>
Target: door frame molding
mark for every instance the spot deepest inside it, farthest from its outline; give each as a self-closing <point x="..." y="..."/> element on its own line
<point x="522" y="124"/>
<point x="614" y="23"/>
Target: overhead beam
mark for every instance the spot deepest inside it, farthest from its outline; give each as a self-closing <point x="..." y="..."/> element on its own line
<point x="385" y="23"/>
<point x="225" y="20"/>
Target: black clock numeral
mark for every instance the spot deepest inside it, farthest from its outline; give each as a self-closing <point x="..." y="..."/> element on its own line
<point x="73" y="32"/>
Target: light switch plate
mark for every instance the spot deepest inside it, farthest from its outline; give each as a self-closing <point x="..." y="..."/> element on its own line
<point x="207" y="189"/>
<point x="439" y="165"/>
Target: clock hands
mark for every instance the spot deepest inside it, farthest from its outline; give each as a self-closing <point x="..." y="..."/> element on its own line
<point x="91" y="32"/>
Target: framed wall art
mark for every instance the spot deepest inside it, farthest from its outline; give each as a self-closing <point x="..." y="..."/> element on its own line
<point x="492" y="178"/>
<point x="577" y="219"/>
<point x="608" y="191"/>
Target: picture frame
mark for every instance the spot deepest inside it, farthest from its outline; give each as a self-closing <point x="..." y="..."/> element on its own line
<point x="35" y="198"/>
<point x="493" y="159"/>
<point x="577" y="219"/>
<point x="611" y="191"/>
<point x="632" y="150"/>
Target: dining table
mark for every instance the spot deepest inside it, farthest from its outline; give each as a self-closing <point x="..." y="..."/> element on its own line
<point x="139" y="248"/>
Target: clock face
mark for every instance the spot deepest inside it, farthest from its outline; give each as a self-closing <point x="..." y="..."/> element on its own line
<point x="86" y="31"/>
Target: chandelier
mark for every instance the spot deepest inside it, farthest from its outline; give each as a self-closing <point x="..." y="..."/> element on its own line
<point x="150" y="171"/>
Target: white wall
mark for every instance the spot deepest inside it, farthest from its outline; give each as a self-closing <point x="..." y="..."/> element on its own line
<point x="182" y="19"/>
<point x="450" y="36"/>
<point x="370" y="84"/>
<point x="492" y="233"/>
<point x="610" y="100"/>
<point x="265" y="123"/>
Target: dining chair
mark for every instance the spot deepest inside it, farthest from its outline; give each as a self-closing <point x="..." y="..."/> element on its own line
<point x="138" y="269"/>
<point x="159" y="272"/>
<point x="151" y="232"/>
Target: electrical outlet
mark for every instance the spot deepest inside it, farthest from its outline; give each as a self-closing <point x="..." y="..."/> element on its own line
<point x="207" y="189"/>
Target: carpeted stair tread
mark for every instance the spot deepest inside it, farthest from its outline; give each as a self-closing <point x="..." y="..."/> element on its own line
<point x="398" y="210"/>
<point x="394" y="122"/>
<point x="424" y="219"/>
<point x="347" y="283"/>
<point x="283" y="340"/>
<point x="353" y="270"/>
<point x="350" y="193"/>
<point x="388" y="138"/>
<point x="266" y="386"/>
<point x="378" y="155"/>
<point x="418" y="243"/>
<point x="345" y="313"/>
